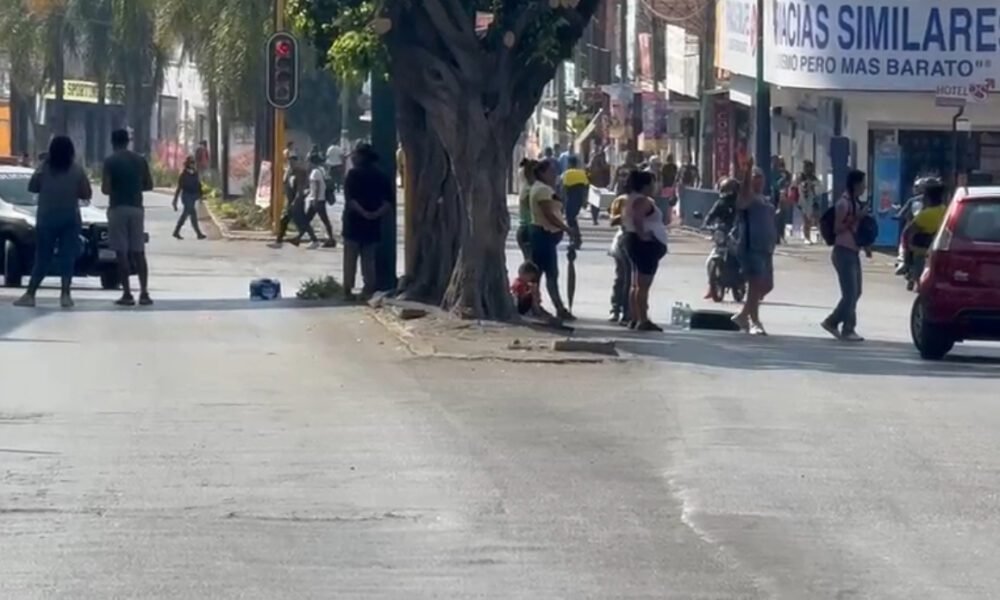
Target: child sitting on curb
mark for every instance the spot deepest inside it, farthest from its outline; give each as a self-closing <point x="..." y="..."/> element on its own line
<point x="527" y="295"/>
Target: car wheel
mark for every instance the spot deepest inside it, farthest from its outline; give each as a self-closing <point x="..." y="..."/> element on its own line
<point x="110" y="280"/>
<point x="931" y="340"/>
<point x="715" y="279"/>
<point x="12" y="265"/>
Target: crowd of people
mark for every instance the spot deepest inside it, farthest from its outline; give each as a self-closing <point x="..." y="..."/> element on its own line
<point x="755" y="211"/>
<point x="368" y="196"/>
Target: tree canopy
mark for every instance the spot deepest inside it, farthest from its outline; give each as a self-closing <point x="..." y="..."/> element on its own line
<point x="466" y="75"/>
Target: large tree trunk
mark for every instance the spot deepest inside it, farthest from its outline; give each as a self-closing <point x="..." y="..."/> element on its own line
<point x="479" y="284"/>
<point x="102" y="115"/>
<point x="436" y="213"/>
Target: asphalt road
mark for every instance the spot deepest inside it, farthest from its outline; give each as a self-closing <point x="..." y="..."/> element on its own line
<point x="211" y="447"/>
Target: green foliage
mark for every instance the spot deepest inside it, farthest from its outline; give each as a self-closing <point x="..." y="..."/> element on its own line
<point x="240" y="214"/>
<point x="342" y="30"/>
<point x="322" y="288"/>
<point x="163" y="175"/>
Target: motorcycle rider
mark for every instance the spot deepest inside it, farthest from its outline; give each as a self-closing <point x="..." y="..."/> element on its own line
<point x="905" y="214"/>
<point x="923" y="226"/>
<point x="723" y="216"/>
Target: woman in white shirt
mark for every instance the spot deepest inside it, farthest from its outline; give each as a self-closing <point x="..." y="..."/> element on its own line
<point x="645" y="241"/>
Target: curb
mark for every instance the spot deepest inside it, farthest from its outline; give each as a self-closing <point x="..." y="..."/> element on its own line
<point x="420" y="349"/>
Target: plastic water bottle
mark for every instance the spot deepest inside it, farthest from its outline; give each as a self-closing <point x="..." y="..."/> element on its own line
<point x="680" y="315"/>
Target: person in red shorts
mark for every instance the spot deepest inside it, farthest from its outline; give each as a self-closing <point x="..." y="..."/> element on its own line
<point x="527" y="296"/>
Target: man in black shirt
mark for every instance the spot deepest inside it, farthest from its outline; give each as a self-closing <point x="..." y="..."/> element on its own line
<point x="369" y="194"/>
<point x="126" y="177"/>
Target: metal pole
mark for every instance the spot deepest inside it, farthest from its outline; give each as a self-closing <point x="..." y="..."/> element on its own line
<point x="277" y="162"/>
<point x="762" y="103"/>
<point x="955" y="154"/>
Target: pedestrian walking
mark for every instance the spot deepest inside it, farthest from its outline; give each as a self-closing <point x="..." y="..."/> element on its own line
<point x="369" y="195"/>
<point x="622" y="285"/>
<point x="335" y="166"/>
<point x="189" y="193"/>
<point x="523" y="235"/>
<point x="60" y="184"/>
<point x="645" y="242"/>
<point x="547" y="231"/>
<point x="126" y="177"/>
<point x="807" y="201"/>
<point x="296" y="183"/>
<point x="316" y="202"/>
<point x="848" y="214"/>
<point x="755" y="241"/>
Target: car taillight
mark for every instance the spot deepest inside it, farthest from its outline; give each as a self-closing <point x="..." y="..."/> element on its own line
<point x="944" y="237"/>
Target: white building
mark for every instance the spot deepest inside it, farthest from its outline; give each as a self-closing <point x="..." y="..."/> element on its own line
<point x="873" y="71"/>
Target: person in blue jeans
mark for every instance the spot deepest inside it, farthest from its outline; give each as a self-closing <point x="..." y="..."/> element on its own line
<point x="842" y="322"/>
<point x="60" y="185"/>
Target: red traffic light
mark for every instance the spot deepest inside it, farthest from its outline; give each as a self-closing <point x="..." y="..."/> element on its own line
<point x="283" y="49"/>
<point x="282" y="70"/>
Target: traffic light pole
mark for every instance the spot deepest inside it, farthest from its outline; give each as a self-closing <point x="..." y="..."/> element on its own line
<point x="278" y="145"/>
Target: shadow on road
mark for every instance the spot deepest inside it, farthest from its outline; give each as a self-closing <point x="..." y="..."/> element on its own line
<point x="177" y="305"/>
<point x="783" y="352"/>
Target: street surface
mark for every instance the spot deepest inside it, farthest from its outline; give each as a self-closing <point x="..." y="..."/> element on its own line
<point x="210" y="447"/>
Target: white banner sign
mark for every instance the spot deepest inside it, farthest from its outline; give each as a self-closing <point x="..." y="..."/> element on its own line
<point x="881" y="45"/>
<point x="683" y="61"/>
<point x="737" y="36"/>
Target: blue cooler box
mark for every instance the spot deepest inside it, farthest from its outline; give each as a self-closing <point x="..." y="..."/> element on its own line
<point x="265" y="289"/>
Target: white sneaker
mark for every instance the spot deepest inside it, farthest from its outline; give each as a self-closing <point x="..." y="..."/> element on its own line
<point x="757" y="329"/>
<point x="852" y="337"/>
<point x="742" y="322"/>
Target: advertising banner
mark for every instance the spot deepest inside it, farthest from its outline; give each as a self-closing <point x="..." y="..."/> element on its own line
<point x="887" y="183"/>
<point x="880" y="45"/>
<point x="737" y="33"/>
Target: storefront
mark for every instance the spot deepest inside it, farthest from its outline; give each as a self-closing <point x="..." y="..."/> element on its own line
<point x="873" y="71"/>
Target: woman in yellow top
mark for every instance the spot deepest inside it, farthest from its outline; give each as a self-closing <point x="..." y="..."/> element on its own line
<point x="920" y="233"/>
<point x="547" y="230"/>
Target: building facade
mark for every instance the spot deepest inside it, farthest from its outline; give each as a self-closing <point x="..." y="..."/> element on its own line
<point x="889" y="75"/>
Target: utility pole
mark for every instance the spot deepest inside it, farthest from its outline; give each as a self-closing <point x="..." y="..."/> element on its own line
<point x="278" y="143"/>
<point x="561" y="104"/>
<point x="762" y="102"/>
<point x="707" y="51"/>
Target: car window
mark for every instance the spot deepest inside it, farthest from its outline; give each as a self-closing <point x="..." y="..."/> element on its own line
<point x="14" y="189"/>
<point x="980" y="221"/>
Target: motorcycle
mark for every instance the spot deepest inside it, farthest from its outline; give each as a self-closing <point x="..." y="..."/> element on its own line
<point x="723" y="266"/>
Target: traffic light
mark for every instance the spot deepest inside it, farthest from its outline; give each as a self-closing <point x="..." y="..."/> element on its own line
<point x="282" y="70"/>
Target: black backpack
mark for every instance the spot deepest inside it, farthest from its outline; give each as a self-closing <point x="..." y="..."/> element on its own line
<point x="827" y="225"/>
<point x="867" y="228"/>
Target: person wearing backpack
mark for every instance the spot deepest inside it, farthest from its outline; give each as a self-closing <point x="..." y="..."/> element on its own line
<point x="852" y="232"/>
<point x="189" y="192"/>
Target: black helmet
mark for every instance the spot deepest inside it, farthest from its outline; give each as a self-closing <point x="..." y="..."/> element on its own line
<point x="729" y="185"/>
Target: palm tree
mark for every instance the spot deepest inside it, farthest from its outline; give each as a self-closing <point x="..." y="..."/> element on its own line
<point x="139" y="60"/>
<point x="93" y="19"/>
<point x="226" y="39"/>
<point x="36" y="34"/>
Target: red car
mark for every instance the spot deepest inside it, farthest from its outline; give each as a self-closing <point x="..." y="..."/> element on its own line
<point x="959" y="293"/>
